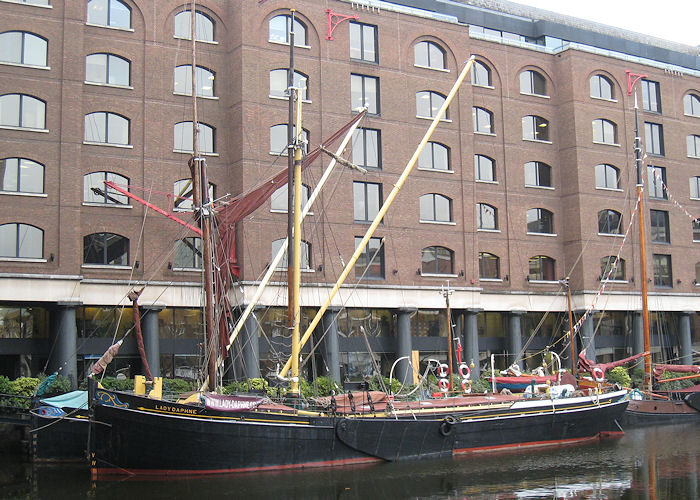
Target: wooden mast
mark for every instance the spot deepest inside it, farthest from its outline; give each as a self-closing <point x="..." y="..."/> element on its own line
<point x="201" y="201"/>
<point x="447" y="293"/>
<point x="572" y="337"/>
<point x="293" y="214"/>
<point x="642" y="248"/>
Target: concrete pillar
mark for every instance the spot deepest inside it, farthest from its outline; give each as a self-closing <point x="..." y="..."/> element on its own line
<point x="637" y="333"/>
<point x="685" y="341"/>
<point x="404" y="345"/>
<point x="471" y="341"/>
<point x="151" y="337"/>
<point x="331" y="348"/>
<point x="64" y="339"/>
<point x="250" y="347"/>
<point x="515" y="338"/>
<point x="587" y="340"/>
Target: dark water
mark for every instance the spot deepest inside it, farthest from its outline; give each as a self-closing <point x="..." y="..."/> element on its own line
<point x="651" y="463"/>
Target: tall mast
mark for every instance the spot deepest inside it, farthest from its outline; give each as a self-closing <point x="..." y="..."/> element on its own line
<point x="572" y="338"/>
<point x="201" y="201"/>
<point x="642" y="247"/>
<point x="293" y="214"/>
<point x="447" y="293"/>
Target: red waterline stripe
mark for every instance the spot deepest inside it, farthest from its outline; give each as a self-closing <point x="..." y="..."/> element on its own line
<point x="99" y="472"/>
<point x="531" y="444"/>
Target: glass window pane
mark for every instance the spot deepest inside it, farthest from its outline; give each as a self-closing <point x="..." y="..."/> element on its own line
<point x="33" y="113"/>
<point x="204" y="28"/>
<point x="96" y="68"/>
<point x="182" y="25"/>
<point x="119" y="14"/>
<point x="8" y="240"/>
<point x="31" y="242"/>
<point x="9" y="177"/>
<point x="9" y="110"/>
<point x="98" y="12"/>
<point x="35" y="50"/>
<point x="119" y="71"/>
<point x="11" y="47"/>
<point x="278" y="30"/>
<point x="95" y="130"/>
<point x="117" y="129"/>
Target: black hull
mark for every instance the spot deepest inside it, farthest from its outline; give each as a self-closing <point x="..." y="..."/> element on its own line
<point x="59" y="440"/>
<point x="146" y="442"/>
<point x="660" y="412"/>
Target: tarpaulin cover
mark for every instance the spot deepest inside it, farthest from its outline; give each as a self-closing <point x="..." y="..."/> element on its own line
<point x="75" y="399"/>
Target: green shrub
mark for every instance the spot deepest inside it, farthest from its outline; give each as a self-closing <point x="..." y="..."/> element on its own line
<point x="24" y="386"/>
<point x="619" y="375"/>
<point x="178" y="385"/>
<point x="5" y="386"/>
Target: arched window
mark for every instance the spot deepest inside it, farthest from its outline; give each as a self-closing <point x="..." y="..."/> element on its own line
<point x="187" y="253"/>
<point x="609" y="222"/>
<point x="484" y="169"/>
<point x="112" y="13"/>
<point x="533" y="83"/>
<point x="21" y="241"/>
<point x="481" y="74"/>
<point x="695" y="188"/>
<point x="604" y="131"/>
<point x="489" y="266"/>
<point x="540" y="220"/>
<point x="437" y="260"/>
<point x="483" y="120"/>
<point x="429" y="55"/>
<point x="691" y="105"/>
<point x="693" y="145"/>
<point x="106" y="128"/>
<point x="203" y="26"/>
<point x="602" y="88"/>
<point x="182" y="194"/>
<point x="278" y="200"/>
<point x="20" y="175"/>
<point x="278" y="83"/>
<point x="204" y="79"/>
<point x="697" y="273"/>
<point x="607" y="177"/>
<point x="428" y="103"/>
<point x="182" y="133"/>
<point x="22" y="111"/>
<point x="106" y="249"/>
<point x="435" y="156"/>
<point x="541" y="268"/>
<point x="305" y="254"/>
<point x="107" y="69"/>
<point x="22" y="47"/>
<point x="95" y="190"/>
<point x="612" y="268"/>
<point x="487" y="217"/>
<point x="278" y="139"/>
<point x="435" y="208"/>
<point x="535" y="128"/>
<point x="279" y="30"/>
<point x="696" y="230"/>
<point x="538" y="174"/>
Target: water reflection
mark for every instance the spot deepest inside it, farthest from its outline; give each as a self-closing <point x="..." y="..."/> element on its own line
<point x="648" y="463"/>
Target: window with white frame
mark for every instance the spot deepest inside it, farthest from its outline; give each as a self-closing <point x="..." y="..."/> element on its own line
<point x="107" y="69"/>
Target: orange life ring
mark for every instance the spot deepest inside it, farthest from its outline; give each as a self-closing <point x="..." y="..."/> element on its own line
<point x="464" y="370"/>
<point x="442" y="370"/>
<point x="598" y="374"/>
<point x="466" y="386"/>
<point x="443" y="384"/>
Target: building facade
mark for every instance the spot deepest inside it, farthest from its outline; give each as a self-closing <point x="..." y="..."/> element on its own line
<point x="529" y="179"/>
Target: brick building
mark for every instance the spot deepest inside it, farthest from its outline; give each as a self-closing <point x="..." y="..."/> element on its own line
<point x="529" y="179"/>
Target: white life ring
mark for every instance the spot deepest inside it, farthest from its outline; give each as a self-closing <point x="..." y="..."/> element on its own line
<point x="443" y="384"/>
<point x="442" y="370"/>
<point x="464" y="370"/>
<point x="466" y="386"/>
<point x="598" y="374"/>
